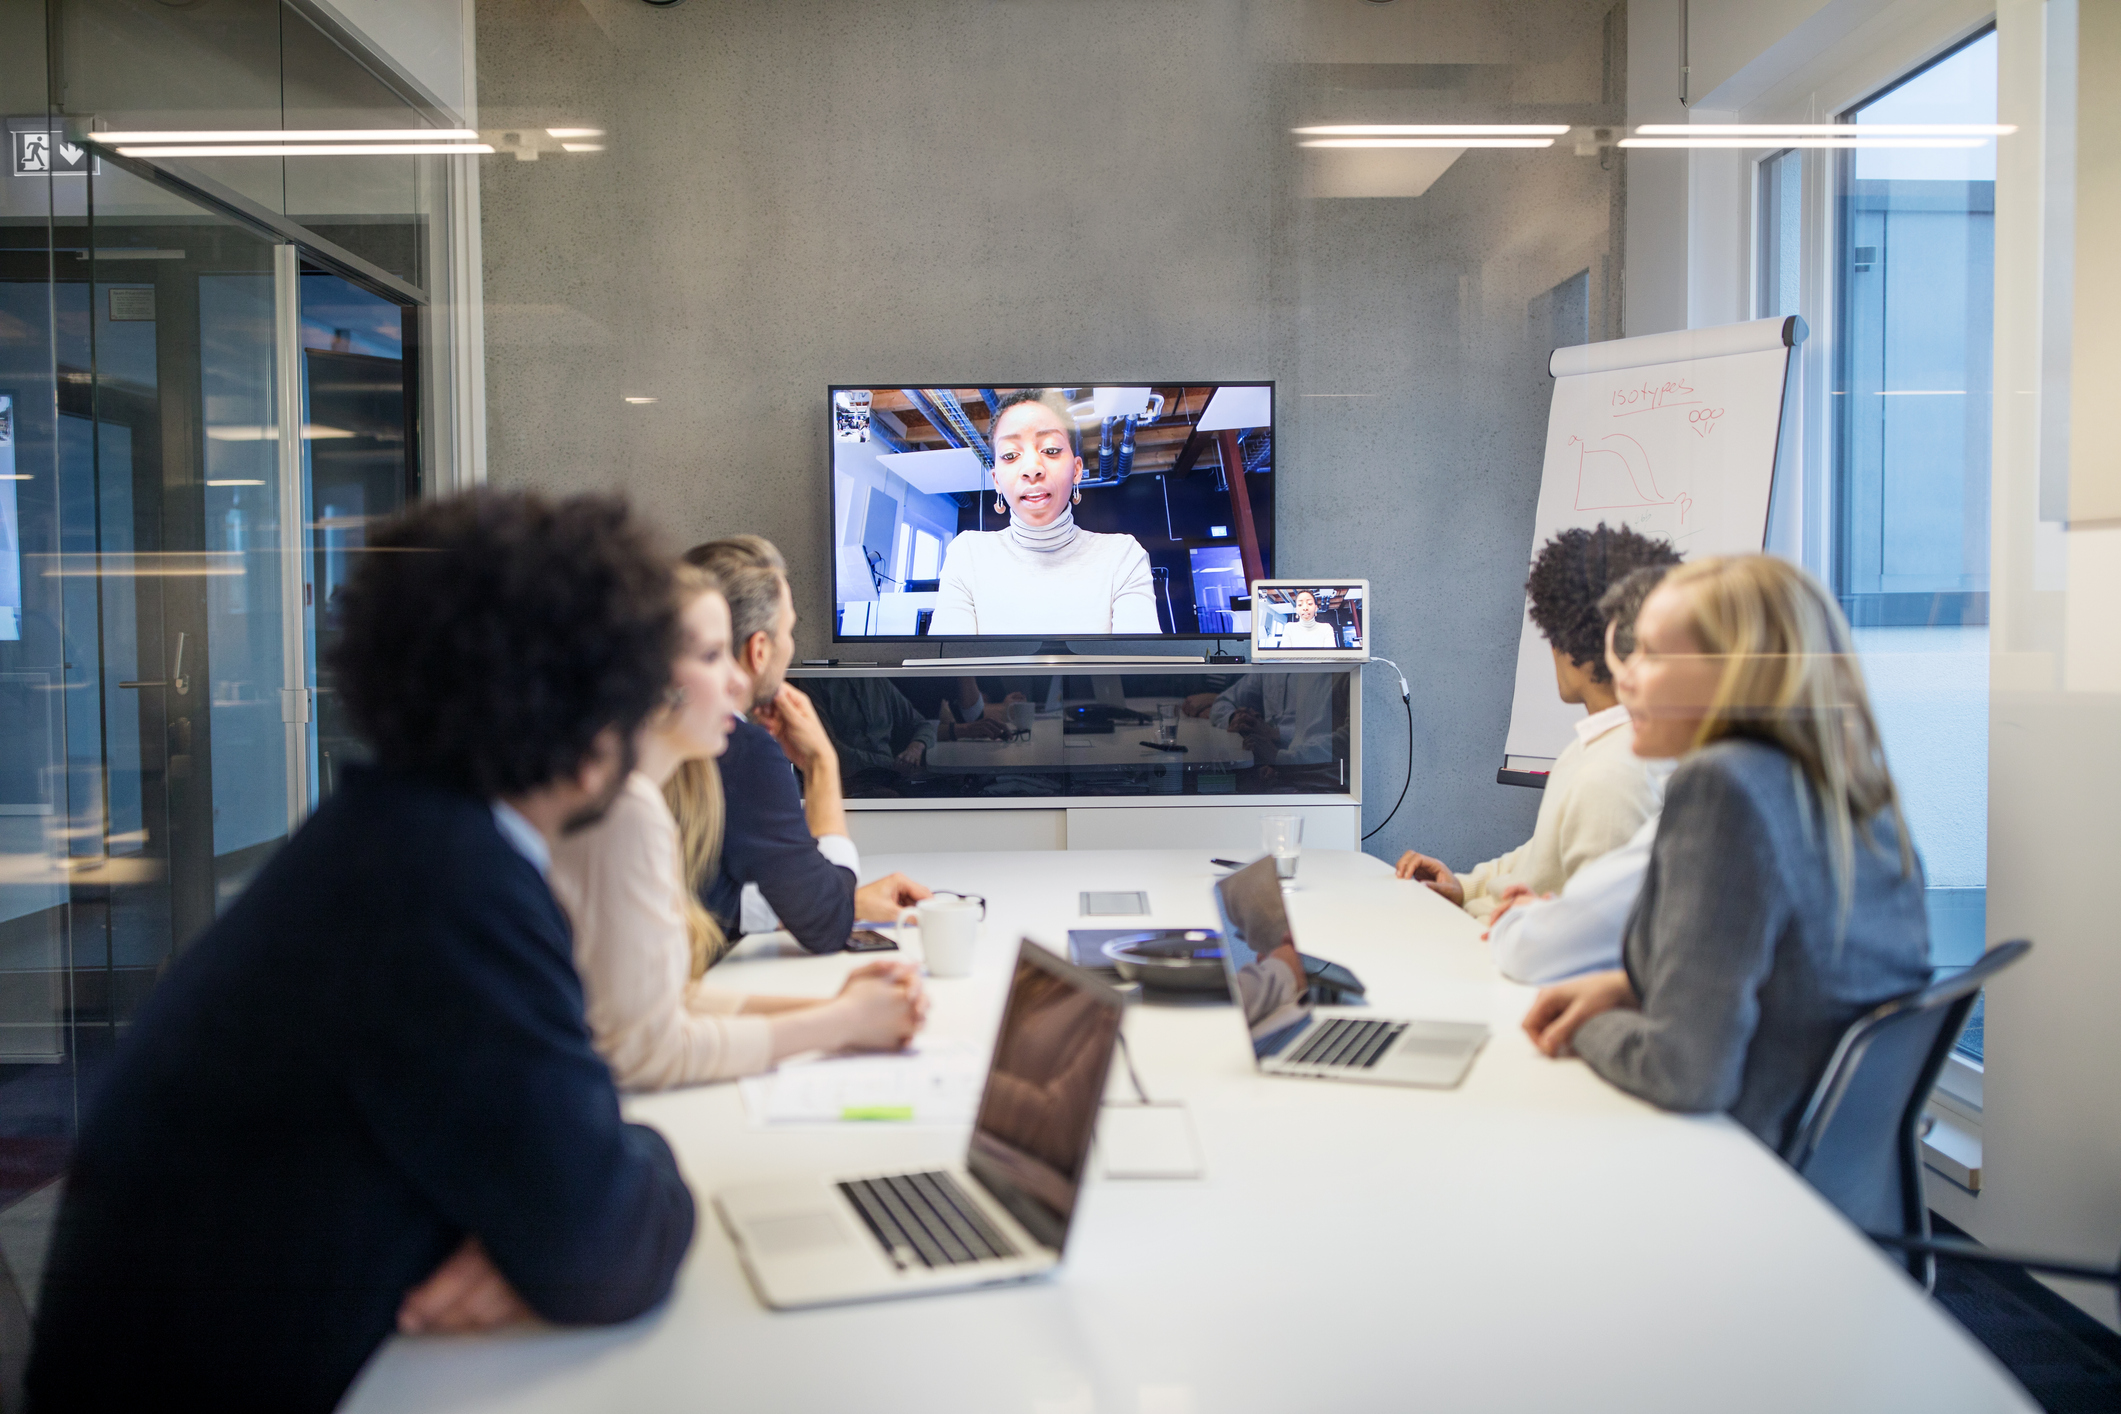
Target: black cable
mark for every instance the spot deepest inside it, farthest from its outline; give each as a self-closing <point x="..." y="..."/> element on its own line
<point x="1406" y="699"/>
<point x="1126" y="1053"/>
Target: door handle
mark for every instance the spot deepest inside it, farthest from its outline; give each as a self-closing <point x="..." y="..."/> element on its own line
<point x="183" y="683"/>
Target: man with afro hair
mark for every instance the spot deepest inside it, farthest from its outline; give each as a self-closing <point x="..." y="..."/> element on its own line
<point x="1599" y="792"/>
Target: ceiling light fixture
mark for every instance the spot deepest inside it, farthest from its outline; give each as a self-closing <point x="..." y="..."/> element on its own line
<point x="1435" y="130"/>
<point x="1826" y="129"/>
<point x="640" y="400"/>
<point x="581" y="147"/>
<point x="242" y="432"/>
<point x="574" y="132"/>
<point x="294" y="135"/>
<point x="322" y="149"/>
<point x="1784" y="140"/>
<point x="1427" y="142"/>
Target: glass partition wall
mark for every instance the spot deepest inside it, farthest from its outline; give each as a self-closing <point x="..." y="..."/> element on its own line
<point x="202" y="405"/>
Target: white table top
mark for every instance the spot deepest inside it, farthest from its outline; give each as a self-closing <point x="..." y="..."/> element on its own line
<point x="1533" y="1240"/>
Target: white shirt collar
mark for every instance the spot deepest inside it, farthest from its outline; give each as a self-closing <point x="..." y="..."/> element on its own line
<point x="522" y="836"/>
<point x="1599" y="723"/>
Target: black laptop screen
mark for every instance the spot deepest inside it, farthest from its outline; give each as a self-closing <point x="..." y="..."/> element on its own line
<point x="1039" y="1110"/>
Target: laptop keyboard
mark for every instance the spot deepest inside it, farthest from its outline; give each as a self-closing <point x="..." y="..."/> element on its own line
<point x="926" y="1218"/>
<point x="1348" y="1043"/>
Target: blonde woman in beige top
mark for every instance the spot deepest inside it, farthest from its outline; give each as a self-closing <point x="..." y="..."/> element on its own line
<point x="641" y="940"/>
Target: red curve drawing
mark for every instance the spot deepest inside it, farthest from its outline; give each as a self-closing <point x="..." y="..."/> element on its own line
<point x="1617" y="474"/>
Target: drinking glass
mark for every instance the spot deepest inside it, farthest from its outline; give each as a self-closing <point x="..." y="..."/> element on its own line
<point x="1167" y="724"/>
<point x="1283" y="837"/>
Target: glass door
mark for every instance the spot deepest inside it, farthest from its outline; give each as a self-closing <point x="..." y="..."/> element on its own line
<point x="359" y="377"/>
<point x="173" y="527"/>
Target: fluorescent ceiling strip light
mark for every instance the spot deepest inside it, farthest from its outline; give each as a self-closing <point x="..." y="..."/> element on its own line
<point x="322" y="149"/>
<point x="581" y="147"/>
<point x="1766" y="141"/>
<point x="296" y="135"/>
<point x="1825" y="129"/>
<point x="240" y="432"/>
<point x="1427" y="142"/>
<point x="1436" y="130"/>
<point x="574" y="132"/>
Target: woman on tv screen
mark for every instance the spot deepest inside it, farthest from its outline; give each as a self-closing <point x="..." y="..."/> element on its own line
<point x="1042" y="576"/>
<point x="1306" y="630"/>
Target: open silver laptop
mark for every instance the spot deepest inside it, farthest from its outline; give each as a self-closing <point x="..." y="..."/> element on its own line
<point x="1291" y="1037"/>
<point x="1002" y="1215"/>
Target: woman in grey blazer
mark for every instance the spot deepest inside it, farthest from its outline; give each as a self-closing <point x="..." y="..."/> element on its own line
<point x="1783" y="897"/>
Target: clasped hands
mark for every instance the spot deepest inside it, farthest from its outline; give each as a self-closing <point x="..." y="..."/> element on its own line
<point x="1560" y="1010"/>
<point x="468" y="1293"/>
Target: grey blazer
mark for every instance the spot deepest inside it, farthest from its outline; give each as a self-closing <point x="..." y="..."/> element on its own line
<point x="1746" y="981"/>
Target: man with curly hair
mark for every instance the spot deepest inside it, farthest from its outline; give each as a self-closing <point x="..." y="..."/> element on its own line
<point x="1599" y="792"/>
<point x="365" y="1099"/>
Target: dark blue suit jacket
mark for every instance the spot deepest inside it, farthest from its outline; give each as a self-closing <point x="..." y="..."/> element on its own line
<point x="766" y="840"/>
<point x="379" y="1050"/>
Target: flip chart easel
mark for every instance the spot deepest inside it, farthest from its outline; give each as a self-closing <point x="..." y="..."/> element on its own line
<point x="1673" y="434"/>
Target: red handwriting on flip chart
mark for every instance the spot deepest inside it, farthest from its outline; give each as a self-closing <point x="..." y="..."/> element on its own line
<point x="1650" y="395"/>
<point x="1703" y="420"/>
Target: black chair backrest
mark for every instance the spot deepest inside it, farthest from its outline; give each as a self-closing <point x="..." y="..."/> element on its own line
<point x="1859" y="1140"/>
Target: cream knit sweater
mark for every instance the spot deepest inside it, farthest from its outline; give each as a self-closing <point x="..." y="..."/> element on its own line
<point x="1598" y="795"/>
<point x="623" y="886"/>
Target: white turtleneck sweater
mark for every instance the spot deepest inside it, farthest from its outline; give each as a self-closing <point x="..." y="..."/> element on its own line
<point x="1027" y="583"/>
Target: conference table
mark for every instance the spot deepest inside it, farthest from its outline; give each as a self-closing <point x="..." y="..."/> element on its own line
<point x="1532" y="1240"/>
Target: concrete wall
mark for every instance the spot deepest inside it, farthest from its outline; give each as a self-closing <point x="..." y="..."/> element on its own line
<point x="928" y="190"/>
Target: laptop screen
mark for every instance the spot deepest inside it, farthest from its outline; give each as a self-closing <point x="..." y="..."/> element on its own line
<point x="1304" y="619"/>
<point x="1031" y="1139"/>
<point x="1259" y="955"/>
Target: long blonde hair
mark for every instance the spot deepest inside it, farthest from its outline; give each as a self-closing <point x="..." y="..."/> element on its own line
<point x="695" y="798"/>
<point x="1790" y="678"/>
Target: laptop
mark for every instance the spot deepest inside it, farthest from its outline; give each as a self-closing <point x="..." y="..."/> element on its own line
<point x="1000" y="1216"/>
<point x="1292" y="1037"/>
<point x="1310" y="621"/>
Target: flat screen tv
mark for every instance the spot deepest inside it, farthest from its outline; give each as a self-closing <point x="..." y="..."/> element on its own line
<point x="1049" y="513"/>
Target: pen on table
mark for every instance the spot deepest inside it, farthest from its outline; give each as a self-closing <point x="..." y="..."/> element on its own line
<point x="1226" y="864"/>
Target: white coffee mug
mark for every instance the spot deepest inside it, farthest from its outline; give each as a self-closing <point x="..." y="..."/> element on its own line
<point x="1021" y="715"/>
<point x="949" y="926"/>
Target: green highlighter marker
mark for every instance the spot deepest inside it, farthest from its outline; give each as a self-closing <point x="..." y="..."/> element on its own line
<point x="865" y="1112"/>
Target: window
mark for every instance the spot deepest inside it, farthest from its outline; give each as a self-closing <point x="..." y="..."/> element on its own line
<point x="927" y="555"/>
<point x="1910" y="420"/>
<point x="1776" y="290"/>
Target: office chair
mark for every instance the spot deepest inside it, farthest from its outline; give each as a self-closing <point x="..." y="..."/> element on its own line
<point x="1859" y="1141"/>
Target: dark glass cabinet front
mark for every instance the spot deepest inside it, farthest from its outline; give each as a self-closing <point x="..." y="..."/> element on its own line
<point x="935" y="734"/>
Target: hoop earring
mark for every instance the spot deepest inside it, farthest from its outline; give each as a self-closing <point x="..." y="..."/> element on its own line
<point x="1076" y="499"/>
<point x="1001" y="508"/>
